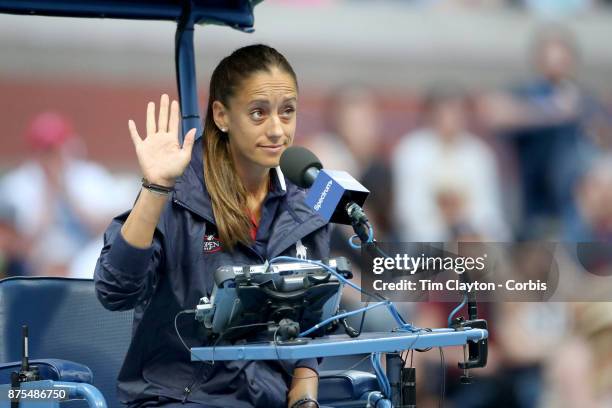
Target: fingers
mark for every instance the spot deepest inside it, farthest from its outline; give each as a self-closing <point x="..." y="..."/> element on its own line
<point x="189" y="141"/>
<point x="134" y="133"/>
<point x="151" y="119"/>
<point x="173" y="126"/>
<point x="162" y="124"/>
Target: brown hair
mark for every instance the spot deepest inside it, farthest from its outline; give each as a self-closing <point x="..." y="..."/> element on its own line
<point x="226" y="190"/>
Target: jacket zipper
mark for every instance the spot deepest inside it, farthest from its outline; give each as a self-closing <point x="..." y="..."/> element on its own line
<point x="193" y="382"/>
<point x="188" y="388"/>
<point x="279" y="250"/>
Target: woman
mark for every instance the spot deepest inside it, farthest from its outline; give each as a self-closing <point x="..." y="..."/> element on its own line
<point x="220" y="200"/>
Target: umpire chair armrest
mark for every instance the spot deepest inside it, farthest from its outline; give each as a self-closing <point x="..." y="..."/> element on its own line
<point x="345" y="385"/>
<point x="51" y="369"/>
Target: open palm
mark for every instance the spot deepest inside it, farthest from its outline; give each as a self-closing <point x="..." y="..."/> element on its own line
<point x="160" y="156"/>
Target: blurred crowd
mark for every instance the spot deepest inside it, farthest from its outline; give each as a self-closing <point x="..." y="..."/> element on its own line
<point x="544" y="8"/>
<point x="529" y="162"/>
<point x="55" y="206"/>
<point x="532" y="162"/>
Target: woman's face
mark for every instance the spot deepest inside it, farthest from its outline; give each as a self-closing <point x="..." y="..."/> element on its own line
<point x="260" y="118"/>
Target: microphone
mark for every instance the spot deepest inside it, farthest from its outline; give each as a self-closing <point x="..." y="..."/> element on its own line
<point x="333" y="194"/>
<point x="300" y="165"/>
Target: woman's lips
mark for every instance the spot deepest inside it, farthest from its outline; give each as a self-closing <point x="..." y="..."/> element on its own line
<point x="272" y="148"/>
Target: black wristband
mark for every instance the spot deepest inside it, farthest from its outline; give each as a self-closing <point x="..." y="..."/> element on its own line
<point x="156" y="188"/>
<point x="298" y="403"/>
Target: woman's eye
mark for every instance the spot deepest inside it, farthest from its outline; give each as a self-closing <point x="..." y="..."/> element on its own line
<point x="256" y="114"/>
<point x="288" y="111"/>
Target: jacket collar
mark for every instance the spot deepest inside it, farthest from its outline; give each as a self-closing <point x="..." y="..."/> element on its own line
<point x="190" y="189"/>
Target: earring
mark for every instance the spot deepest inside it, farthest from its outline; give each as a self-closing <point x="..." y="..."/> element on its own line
<point x="224" y="129"/>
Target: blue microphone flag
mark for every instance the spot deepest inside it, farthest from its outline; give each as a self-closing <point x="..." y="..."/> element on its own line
<point x="332" y="191"/>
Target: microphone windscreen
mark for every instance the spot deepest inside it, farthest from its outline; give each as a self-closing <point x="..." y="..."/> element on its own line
<point x="295" y="162"/>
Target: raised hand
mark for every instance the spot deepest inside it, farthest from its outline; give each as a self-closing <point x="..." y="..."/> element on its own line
<point x="160" y="156"/>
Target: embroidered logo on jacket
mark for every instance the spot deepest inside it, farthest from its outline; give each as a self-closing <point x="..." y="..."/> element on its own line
<point x="300" y="250"/>
<point x="211" y="244"/>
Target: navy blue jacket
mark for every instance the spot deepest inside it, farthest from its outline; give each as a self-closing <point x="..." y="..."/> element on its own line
<point x="176" y="271"/>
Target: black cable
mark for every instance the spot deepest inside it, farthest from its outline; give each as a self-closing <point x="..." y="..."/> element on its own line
<point x="242" y="327"/>
<point x="380" y="251"/>
<point x="188" y="311"/>
<point x="280" y="362"/>
<point x="366" y="225"/>
<point x="275" y="341"/>
<point x="349" y="330"/>
<point x="427" y="329"/>
<point x="443" y="385"/>
<point x="374" y="295"/>
<point x="191" y="311"/>
<point x="362" y="319"/>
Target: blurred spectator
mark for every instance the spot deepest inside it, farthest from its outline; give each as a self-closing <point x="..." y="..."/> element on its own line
<point x="351" y="139"/>
<point x="61" y="201"/>
<point x="580" y="374"/>
<point x="446" y="179"/>
<point x="594" y="199"/>
<point x="592" y="228"/>
<point x="13" y="251"/>
<point x="545" y="123"/>
<point x="353" y="143"/>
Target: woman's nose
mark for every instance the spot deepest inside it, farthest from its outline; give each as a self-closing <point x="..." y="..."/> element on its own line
<point x="275" y="128"/>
